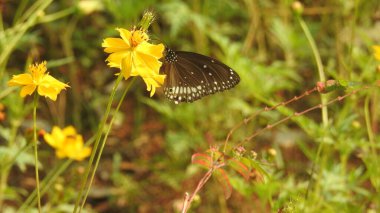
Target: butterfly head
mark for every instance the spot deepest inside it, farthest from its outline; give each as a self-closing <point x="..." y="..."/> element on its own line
<point x="170" y="56"/>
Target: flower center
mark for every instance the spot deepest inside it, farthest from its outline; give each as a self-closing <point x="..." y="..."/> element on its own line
<point x="38" y="71"/>
<point x="138" y="37"/>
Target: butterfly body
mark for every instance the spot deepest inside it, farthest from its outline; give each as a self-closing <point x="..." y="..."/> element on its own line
<point x="191" y="76"/>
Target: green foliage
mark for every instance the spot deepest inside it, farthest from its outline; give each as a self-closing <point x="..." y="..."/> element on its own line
<point x="303" y="165"/>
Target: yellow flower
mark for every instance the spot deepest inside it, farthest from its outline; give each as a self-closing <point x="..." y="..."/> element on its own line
<point x="38" y="79"/>
<point x="376" y="52"/>
<point x="67" y="143"/>
<point x="135" y="56"/>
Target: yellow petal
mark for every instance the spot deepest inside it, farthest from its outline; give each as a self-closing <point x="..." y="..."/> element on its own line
<point x="125" y="35"/>
<point x="49" y="139"/>
<point x="50" y="80"/>
<point x="58" y="133"/>
<point x="60" y="153"/>
<point x="56" y="138"/>
<point x="50" y="87"/>
<point x="151" y="85"/>
<point x="114" y="45"/>
<point x="69" y="130"/>
<point x="27" y="90"/>
<point x="376" y="49"/>
<point x="22" y="79"/>
<point x="155" y="50"/>
<point x="114" y="59"/>
<point x="84" y="153"/>
<point x="126" y="66"/>
<point x="75" y="149"/>
<point x="48" y="92"/>
<point x="160" y="79"/>
<point x="147" y="65"/>
<point x="152" y="91"/>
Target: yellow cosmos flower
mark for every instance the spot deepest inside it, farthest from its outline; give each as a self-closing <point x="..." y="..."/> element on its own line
<point x="135" y="56"/>
<point x="376" y="52"/>
<point x="67" y="143"/>
<point x="37" y="78"/>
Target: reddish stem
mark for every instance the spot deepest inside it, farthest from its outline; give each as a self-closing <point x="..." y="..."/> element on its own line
<point x="247" y="120"/>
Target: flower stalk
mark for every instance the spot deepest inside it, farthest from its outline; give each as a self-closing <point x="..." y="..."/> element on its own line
<point x="97" y="141"/>
<point x="105" y="139"/>
<point x="35" y="143"/>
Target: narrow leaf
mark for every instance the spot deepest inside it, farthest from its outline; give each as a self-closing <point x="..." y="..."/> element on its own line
<point x="239" y="167"/>
<point x="222" y="178"/>
<point x="201" y="159"/>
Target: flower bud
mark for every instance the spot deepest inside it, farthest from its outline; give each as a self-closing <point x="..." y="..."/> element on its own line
<point x="146" y="20"/>
<point x="272" y="152"/>
<point x="297" y="7"/>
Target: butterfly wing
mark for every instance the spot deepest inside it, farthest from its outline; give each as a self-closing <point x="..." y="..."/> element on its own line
<point x="191" y="76"/>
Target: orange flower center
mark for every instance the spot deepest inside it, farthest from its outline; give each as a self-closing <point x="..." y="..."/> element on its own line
<point x="138" y="37"/>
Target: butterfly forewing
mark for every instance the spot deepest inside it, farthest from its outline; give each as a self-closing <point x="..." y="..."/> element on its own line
<point x="191" y="76"/>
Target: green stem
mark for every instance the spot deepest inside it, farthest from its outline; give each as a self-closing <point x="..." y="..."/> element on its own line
<point x="97" y="140"/>
<point x="371" y="138"/>
<point x="104" y="141"/>
<point x="3" y="185"/>
<point x="324" y="100"/>
<point x="318" y="60"/>
<point x="45" y="185"/>
<point x="35" y="142"/>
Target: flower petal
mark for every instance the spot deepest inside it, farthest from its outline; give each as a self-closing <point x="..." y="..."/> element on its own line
<point x="160" y="79"/>
<point x="50" y="87"/>
<point x="114" y="59"/>
<point x="84" y="153"/>
<point x="56" y="138"/>
<point x="146" y="65"/>
<point x="22" y="79"/>
<point x="125" y="35"/>
<point x="126" y="66"/>
<point x="27" y="90"/>
<point x="153" y="83"/>
<point x="155" y="50"/>
<point x="48" y="92"/>
<point x="61" y="153"/>
<point x="76" y="150"/>
<point x="376" y="49"/>
<point x="69" y="130"/>
<point x="112" y="45"/>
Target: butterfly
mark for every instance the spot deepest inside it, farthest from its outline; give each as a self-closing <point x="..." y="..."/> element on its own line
<point x="192" y="76"/>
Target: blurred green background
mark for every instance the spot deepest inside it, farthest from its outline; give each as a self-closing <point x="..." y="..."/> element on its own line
<point x="146" y="165"/>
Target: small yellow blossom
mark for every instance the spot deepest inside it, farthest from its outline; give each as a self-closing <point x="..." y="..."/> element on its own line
<point x="67" y="143"/>
<point x="272" y="152"/>
<point x="38" y="79"/>
<point x="376" y="52"/>
<point x="135" y="56"/>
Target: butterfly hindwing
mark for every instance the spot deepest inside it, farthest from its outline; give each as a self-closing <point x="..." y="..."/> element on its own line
<point x="191" y="76"/>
